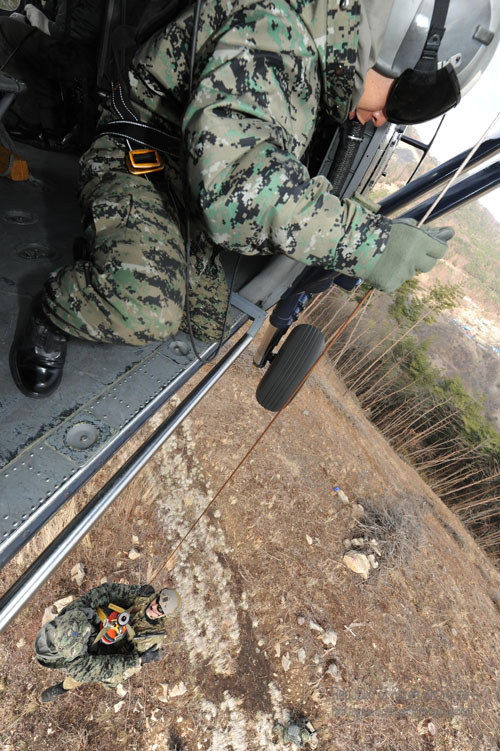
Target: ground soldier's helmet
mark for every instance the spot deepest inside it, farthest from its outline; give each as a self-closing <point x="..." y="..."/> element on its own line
<point x="169" y="601"/>
<point x="436" y="50"/>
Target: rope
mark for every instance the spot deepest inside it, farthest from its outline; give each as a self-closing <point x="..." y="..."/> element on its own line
<point x="335" y="336"/>
<point x="459" y="171"/>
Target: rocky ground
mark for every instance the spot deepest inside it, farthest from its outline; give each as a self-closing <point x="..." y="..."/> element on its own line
<point x="273" y="624"/>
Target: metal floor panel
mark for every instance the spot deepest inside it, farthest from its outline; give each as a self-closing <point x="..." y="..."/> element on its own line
<point x="49" y="447"/>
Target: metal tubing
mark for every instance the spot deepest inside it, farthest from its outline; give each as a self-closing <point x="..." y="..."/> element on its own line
<point x="39" y="571"/>
<point x="462" y="193"/>
<point x="436" y="177"/>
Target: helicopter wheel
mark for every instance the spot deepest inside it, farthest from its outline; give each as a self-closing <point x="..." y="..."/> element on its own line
<point x="298" y="353"/>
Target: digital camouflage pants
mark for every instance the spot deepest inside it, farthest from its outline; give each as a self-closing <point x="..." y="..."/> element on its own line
<point x="69" y="683"/>
<point x="130" y="286"/>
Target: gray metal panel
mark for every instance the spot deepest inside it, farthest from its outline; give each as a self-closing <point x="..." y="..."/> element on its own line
<point x="39" y="467"/>
<point x="107" y="392"/>
<point x="50" y="447"/>
<point x="109" y="418"/>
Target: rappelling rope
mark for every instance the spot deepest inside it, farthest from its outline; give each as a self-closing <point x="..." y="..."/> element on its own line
<point x="332" y="340"/>
<point x="459" y="171"/>
<point x="334" y="337"/>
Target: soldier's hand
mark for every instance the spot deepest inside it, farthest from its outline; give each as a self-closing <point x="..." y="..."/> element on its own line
<point x="19" y="17"/>
<point x="152" y="654"/>
<point x="145" y="590"/>
<point x="409" y="249"/>
<point x="37" y="19"/>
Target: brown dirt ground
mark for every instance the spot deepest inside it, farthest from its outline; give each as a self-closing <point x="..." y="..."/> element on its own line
<point x="419" y="639"/>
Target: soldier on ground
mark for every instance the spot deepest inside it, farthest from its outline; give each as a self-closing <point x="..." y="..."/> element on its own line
<point x="222" y="107"/>
<point x="105" y="636"/>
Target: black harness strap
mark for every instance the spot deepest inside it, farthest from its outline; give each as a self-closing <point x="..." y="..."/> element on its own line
<point x="428" y="58"/>
<point x="139" y="135"/>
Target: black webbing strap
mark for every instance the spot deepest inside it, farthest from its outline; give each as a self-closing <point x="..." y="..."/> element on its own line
<point x="428" y="58"/>
<point x="137" y="134"/>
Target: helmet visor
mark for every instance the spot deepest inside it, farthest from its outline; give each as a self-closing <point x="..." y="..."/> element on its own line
<point x="416" y="97"/>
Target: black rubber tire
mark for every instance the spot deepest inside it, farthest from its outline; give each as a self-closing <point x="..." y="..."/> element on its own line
<point x="299" y="351"/>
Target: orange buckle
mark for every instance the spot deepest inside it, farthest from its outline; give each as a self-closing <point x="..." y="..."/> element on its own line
<point x="138" y="162"/>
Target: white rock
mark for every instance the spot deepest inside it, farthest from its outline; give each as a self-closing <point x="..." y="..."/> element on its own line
<point x="134" y="554"/>
<point x="315" y="626"/>
<point x="277" y="649"/>
<point x="357" y="562"/>
<point x="20" y="644"/>
<point x="329" y="638"/>
<point x="178" y="690"/>
<point x="374" y="546"/>
<point x="217" y="513"/>
<point x="286" y="662"/>
<point x="301" y="620"/>
<point x="60" y="604"/>
<point x="334" y="671"/>
<point x="426" y="726"/>
<point x="163" y="697"/>
<point x="309" y="539"/>
<point x="121" y="691"/>
<point x="78" y="573"/>
<point x="343" y="497"/>
<point x="301" y="655"/>
<point x="373" y="561"/>
<point x="135" y="540"/>
<point x="317" y="659"/>
<point x="118" y="706"/>
<point x="48" y="615"/>
<point x="347" y="544"/>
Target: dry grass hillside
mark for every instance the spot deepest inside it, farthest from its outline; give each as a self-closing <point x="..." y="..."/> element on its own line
<point x="416" y="646"/>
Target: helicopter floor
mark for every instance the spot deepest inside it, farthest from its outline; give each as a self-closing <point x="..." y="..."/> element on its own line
<point x="50" y="447"/>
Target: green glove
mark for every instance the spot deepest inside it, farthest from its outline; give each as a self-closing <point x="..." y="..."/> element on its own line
<point x="409" y="249"/>
<point x="37" y="19"/>
<point x="152" y="654"/>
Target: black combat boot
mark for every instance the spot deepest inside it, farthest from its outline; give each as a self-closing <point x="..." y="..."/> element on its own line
<point x="38" y="355"/>
<point x="52" y="692"/>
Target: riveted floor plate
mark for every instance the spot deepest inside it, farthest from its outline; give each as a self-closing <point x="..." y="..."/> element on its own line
<point x="50" y="447"/>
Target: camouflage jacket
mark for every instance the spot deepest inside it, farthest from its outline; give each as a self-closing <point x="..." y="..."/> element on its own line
<point x="106" y="663"/>
<point x="263" y="72"/>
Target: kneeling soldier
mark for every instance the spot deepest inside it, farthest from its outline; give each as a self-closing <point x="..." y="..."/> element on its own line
<point x="105" y="636"/>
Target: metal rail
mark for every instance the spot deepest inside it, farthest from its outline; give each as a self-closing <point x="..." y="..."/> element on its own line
<point x="436" y="177"/>
<point x="466" y="190"/>
<point x="39" y="571"/>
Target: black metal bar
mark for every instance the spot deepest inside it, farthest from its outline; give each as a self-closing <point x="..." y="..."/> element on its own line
<point x="420" y="145"/>
<point x="463" y="192"/>
<point x="425" y="148"/>
<point x="438" y="176"/>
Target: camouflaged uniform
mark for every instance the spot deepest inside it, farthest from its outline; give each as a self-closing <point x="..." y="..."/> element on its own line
<point x="111" y="664"/>
<point x="263" y="72"/>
